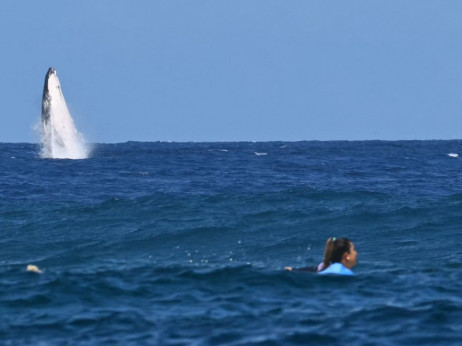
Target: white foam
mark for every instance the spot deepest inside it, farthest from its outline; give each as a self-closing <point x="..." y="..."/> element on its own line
<point x="260" y="154"/>
<point x="453" y="155"/>
<point x="60" y="138"/>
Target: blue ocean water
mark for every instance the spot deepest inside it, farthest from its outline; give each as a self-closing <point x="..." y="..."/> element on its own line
<point x="185" y="244"/>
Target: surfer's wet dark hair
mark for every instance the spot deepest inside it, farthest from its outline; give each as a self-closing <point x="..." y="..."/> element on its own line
<point x="327" y="254"/>
<point x="335" y="249"/>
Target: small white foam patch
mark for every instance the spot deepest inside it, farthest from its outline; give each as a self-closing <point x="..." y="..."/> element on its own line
<point x="33" y="269"/>
<point x="455" y="155"/>
<point x="260" y="154"/>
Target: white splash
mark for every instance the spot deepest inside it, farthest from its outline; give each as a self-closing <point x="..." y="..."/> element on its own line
<point x="60" y="138"/>
<point x="453" y="155"/>
<point x="260" y="154"/>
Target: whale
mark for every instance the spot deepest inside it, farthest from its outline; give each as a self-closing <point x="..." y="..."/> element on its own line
<point x="60" y="138"/>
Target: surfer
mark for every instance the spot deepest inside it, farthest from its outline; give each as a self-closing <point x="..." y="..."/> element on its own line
<point x="342" y="258"/>
<point x="339" y="257"/>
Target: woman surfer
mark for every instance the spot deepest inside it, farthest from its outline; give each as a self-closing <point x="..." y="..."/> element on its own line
<point x="339" y="257"/>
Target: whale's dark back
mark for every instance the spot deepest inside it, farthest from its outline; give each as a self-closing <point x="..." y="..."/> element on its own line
<point x="46" y="97"/>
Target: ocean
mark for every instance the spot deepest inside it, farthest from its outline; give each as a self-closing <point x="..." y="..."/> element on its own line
<point x="186" y="243"/>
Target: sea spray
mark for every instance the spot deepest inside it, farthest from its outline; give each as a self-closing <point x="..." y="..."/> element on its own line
<point x="60" y="138"/>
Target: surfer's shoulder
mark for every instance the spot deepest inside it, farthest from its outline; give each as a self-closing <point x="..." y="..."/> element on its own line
<point x="336" y="269"/>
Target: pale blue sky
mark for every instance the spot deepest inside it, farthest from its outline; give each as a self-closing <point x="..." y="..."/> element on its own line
<point x="214" y="70"/>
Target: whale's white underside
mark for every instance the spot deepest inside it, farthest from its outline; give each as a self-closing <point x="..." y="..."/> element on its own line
<point x="60" y="138"/>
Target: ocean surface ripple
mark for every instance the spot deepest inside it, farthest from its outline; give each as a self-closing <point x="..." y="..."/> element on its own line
<point x="185" y="244"/>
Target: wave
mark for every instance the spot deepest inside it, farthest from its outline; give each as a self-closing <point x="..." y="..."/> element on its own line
<point x="177" y="300"/>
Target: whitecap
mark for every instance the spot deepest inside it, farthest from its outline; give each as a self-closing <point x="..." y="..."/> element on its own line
<point x="260" y="154"/>
<point x="455" y="155"/>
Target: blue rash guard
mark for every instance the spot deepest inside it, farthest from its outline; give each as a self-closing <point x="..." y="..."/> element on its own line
<point x="337" y="269"/>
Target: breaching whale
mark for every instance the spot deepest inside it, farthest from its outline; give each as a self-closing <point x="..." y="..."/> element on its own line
<point x="60" y="138"/>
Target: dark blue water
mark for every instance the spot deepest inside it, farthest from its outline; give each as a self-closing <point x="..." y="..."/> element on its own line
<point x="185" y="244"/>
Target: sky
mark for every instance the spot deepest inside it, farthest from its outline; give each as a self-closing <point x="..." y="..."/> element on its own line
<point x="235" y="70"/>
